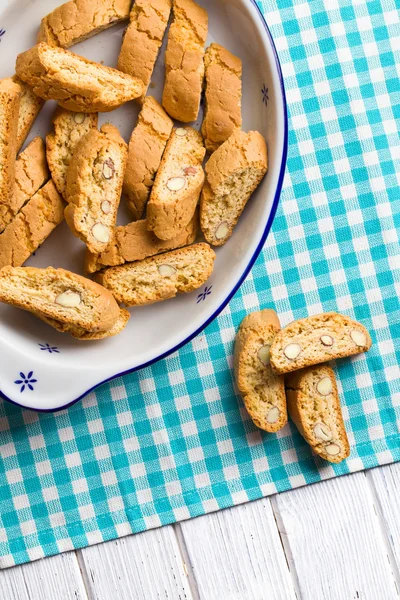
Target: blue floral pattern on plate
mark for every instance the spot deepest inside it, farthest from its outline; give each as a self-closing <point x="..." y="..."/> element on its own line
<point x="201" y="297"/>
<point x="26" y="381"/>
<point x="50" y="349"/>
<point x="265" y="96"/>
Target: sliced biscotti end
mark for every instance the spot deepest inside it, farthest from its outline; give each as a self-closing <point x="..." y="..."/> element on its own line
<point x="30" y="106"/>
<point x="74" y="22"/>
<point x="160" y="277"/>
<point x="223" y="96"/>
<point x="75" y="82"/>
<point x="314" y="406"/>
<point x="10" y="95"/>
<point x="178" y="184"/>
<point x="89" y="336"/>
<point x="146" y="147"/>
<point x="60" y="295"/>
<point x="94" y="184"/>
<point x="69" y="128"/>
<point x="262" y="390"/>
<point x="133" y="242"/>
<point x="318" y="339"/>
<point x="234" y="172"/>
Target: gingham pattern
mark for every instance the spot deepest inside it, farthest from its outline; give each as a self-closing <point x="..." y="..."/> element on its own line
<point x="174" y="441"/>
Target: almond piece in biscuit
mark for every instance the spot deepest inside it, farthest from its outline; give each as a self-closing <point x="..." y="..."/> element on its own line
<point x="143" y="38"/>
<point x="60" y="295"/>
<point x="31" y="173"/>
<point x="76" y="83"/>
<point x="30" y="107"/>
<point x="184" y="61"/>
<point x="160" y="277"/>
<point x="133" y="242"/>
<point x="94" y="185"/>
<point x="262" y="390"/>
<point x="314" y="406"/>
<point x="316" y="340"/>
<point x="10" y="96"/>
<point x="146" y="148"/>
<point x="178" y="184"/>
<point x="32" y="225"/>
<point x="234" y="171"/>
<point x="223" y="97"/>
<point x="89" y="336"/>
<point x="69" y="128"/>
<point x="78" y="20"/>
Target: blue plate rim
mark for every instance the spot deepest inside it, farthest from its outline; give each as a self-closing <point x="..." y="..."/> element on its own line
<point x="245" y="272"/>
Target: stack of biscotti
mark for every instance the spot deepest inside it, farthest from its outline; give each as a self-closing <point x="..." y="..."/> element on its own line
<point x="268" y="359"/>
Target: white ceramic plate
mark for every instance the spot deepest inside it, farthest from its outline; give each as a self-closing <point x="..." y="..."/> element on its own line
<point x="44" y="370"/>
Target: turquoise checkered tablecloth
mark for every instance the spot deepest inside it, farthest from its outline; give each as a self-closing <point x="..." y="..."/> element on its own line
<point x="174" y="441"/>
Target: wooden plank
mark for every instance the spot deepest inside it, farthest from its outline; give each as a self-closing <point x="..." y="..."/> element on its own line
<point x="55" y="577"/>
<point x="386" y="485"/>
<point x="332" y="536"/>
<point x="236" y="554"/>
<point x="141" y="567"/>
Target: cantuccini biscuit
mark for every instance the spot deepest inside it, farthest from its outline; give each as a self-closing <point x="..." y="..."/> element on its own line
<point x="233" y="173"/>
<point x="30" y="107"/>
<point x="32" y="225"/>
<point x="94" y="185"/>
<point x="262" y="390"/>
<point x="76" y="83"/>
<point x="184" y="61"/>
<point x="314" y="406"/>
<point x="223" y="97"/>
<point x="69" y="128"/>
<point x="133" y="242"/>
<point x="10" y="95"/>
<point x="60" y="295"/>
<point x="146" y="148"/>
<point x="143" y="38"/>
<point x="89" y="336"/>
<point x="31" y="173"/>
<point x="317" y="339"/>
<point x="160" y="277"/>
<point x="178" y="184"/>
<point x="78" y="20"/>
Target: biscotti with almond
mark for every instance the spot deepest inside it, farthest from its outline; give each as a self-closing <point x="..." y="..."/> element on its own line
<point x="178" y="184"/>
<point x="69" y="128"/>
<point x="61" y="295"/>
<point x="30" y="107"/>
<point x="76" y="83"/>
<point x="133" y="242"/>
<point x="89" y="336"/>
<point x="160" y="277"/>
<point x="314" y="407"/>
<point x="31" y="173"/>
<point x="143" y="38"/>
<point x="223" y="96"/>
<point x="32" y="225"/>
<point x="317" y="339"/>
<point x="94" y="186"/>
<point x="262" y="390"/>
<point x="10" y="95"/>
<point x="146" y="147"/>
<point x="234" y="172"/>
<point x="184" y="61"/>
<point x="78" y="20"/>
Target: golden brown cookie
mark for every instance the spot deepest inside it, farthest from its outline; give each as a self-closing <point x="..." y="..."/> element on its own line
<point x="94" y="185"/>
<point x="178" y="184"/>
<point x="69" y="128"/>
<point x="143" y="38"/>
<point x="10" y="95"/>
<point x="76" y="83"/>
<point x="78" y="20"/>
<point x="262" y="390"/>
<point x="184" y="61"/>
<point x="223" y="97"/>
<point x="29" y="108"/>
<point x="89" y="336"/>
<point x="160" y="277"/>
<point x="233" y="173"/>
<point x="146" y="148"/>
<point x="314" y="406"/>
<point x="316" y="340"/>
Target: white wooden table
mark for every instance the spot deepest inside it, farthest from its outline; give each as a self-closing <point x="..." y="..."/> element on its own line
<point x="336" y="540"/>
